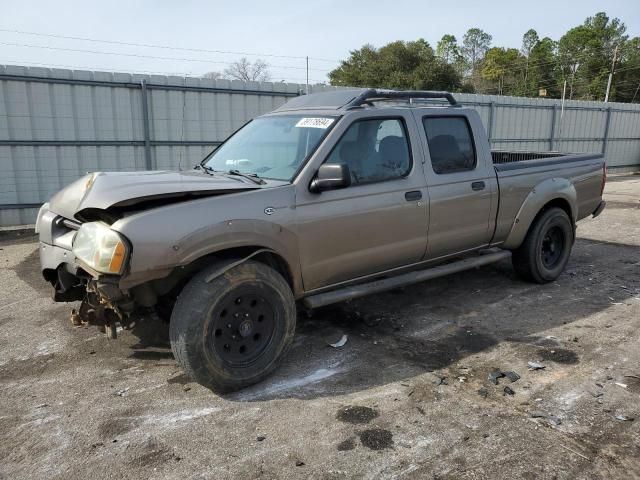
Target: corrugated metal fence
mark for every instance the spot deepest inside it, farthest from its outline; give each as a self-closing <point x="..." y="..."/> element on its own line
<point x="55" y="125"/>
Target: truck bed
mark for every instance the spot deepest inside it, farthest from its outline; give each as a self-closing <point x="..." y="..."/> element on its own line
<point x="521" y="174"/>
<point x="503" y="156"/>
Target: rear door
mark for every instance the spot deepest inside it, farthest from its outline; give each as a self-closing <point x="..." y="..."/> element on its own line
<point x="463" y="189"/>
<point x="380" y="221"/>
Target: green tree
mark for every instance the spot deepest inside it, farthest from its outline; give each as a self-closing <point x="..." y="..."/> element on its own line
<point x="543" y="70"/>
<point x="585" y="54"/>
<point x="475" y="44"/>
<point x="583" y="57"/>
<point x="626" y="80"/>
<point x="529" y="40"/>
<point x="406" y="65"/>
<point x="448" y="49"/>
<point x="501" y="65"/>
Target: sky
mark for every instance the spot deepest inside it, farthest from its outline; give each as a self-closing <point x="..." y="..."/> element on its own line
<point x="281" y="33"/>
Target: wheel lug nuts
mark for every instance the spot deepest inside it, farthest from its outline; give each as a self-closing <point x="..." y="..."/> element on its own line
<point x="246" y="315"/>
<point x="236" y="315"/>
<point x="228" y="325"/>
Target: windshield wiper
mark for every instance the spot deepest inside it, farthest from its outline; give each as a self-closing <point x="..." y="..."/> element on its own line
<point x="206" y="168"/>
<point x="251" y="176"/>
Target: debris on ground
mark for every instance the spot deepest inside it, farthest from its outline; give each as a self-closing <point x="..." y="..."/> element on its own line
<point x="535" y="366"/>
<point x="508" y="391"/>
<point x="495" y="375"/>
<point x="512" y="376"/>
<point x="554" y="420"/>
<point x="483" y="392"/>
<point x="299" y="463"/>
<point x="623" y="385"/>
<point x="260" y="438"/>
<point x="625" y="418"/>
<point x="121" y="393"/>
<point x="339" y="343"/>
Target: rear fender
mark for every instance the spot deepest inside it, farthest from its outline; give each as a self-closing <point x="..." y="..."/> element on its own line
<point x="546" y="191"/>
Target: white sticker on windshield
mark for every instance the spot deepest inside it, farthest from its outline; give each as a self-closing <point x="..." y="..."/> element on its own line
<point x="314" y="123"/>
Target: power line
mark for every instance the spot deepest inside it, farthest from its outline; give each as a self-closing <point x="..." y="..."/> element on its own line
<point x="127" y="70"/>
<point x="166" y="47"/>
<point x="136" y="55"/>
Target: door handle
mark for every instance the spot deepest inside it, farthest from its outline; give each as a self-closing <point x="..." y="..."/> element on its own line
<point x="477" y="186"/>
<point x="413" y="195"/>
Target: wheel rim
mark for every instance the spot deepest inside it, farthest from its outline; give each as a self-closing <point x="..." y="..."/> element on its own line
<point x="243" y="326"/>
<point x="552" y="247"/>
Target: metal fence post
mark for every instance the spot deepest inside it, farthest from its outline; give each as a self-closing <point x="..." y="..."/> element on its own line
<point x="605" y="138"/>
<point x="492" y="107"/>
<point x="552" y="136"/>
<point x="145" y="125"/>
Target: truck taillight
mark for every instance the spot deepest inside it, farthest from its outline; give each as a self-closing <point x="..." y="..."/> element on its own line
<point x="604" y="179"/>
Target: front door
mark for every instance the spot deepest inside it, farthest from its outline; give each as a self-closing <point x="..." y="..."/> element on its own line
<point x="380" y="221"/>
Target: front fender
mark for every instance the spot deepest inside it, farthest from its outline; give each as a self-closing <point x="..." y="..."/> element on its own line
<point x="543" y="193"/>
<point x="177" y="235"/>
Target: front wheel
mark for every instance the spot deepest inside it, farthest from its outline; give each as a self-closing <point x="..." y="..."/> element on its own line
<point x="233" y="331"/>
<point x="545" y="251"/>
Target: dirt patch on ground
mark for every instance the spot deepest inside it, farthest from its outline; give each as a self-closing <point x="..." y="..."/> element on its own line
<point x="376" y="439"/>
<point x="356" y="414"/>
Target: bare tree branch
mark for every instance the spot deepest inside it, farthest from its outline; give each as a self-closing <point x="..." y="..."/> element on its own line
<point x="246" y="71"/>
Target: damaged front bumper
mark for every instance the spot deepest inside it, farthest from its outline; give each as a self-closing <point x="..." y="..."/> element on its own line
<point x="103" y="302"/>
<point x="58" y="263"/>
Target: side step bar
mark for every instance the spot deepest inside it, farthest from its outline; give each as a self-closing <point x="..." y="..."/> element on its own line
<point x="376" y="286"/>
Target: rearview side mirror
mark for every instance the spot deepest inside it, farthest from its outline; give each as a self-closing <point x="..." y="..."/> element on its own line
<point x="331" y="176"/>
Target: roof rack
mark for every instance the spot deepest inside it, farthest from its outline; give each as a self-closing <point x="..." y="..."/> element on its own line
<point x="373" y="94"/>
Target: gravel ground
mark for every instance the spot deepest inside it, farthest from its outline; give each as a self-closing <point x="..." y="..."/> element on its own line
<point x="408" y="396"/>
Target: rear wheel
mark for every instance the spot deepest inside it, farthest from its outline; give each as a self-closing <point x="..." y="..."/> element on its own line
<point x="546" y="249"/>
<point x="233" y="331"/>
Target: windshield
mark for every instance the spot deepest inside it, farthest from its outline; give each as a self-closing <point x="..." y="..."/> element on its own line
<point x="271" y="147"/>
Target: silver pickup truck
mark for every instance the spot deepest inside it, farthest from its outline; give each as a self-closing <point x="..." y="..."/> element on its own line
<point x="330" y="197"/>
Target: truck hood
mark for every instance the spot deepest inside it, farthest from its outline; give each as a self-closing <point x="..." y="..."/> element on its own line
<point x="116" y="192"/>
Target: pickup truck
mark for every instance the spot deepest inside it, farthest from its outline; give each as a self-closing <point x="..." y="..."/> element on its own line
<point x="330" y="197"/>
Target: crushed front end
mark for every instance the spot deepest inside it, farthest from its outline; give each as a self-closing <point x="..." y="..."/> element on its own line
<point x="84" y="262"/>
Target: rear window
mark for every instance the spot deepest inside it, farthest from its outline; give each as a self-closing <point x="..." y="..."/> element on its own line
<point x="450" y="144"/>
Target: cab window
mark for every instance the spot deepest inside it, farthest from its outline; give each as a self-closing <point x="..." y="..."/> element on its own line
<point x="450" y="144"/>
<point x="374" y="149"/>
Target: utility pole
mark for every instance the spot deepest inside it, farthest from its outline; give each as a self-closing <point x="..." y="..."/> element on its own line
<point x="613" y="66"/>
<point x="307" y="58"/>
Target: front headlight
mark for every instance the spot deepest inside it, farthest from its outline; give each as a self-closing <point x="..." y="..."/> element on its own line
<point x="100" y="248"/>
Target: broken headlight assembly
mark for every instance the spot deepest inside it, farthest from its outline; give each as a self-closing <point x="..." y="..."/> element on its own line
<point x="100" y="248"/>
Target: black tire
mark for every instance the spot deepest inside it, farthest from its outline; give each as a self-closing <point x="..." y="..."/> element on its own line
<point x="546" y="249"/>
<point x="233" y="331"/>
